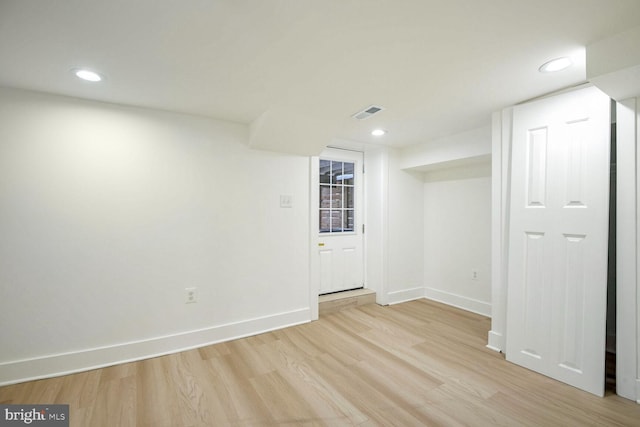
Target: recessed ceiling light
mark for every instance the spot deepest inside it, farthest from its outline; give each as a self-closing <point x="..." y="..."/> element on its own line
<point x="554" y="65"/>
<point x="88" y="75"/>
<point x="378" y="132"/>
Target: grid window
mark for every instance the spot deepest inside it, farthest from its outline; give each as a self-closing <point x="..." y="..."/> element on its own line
<point x="337" y="200"/>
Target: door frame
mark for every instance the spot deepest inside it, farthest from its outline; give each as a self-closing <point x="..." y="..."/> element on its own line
<point x="627" y="255"/>
<point x="314" y="236"/>
<point x="628" y="224"/>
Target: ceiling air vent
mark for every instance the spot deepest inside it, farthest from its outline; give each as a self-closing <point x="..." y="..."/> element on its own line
<point x="367" y="112"/>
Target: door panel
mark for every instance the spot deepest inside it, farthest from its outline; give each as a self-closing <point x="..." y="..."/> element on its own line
<point x="326" y="268"/>
<point x="571" y="297"/>
<point x="537" y="167"/>
<point x="558" y="240"/>
<point x="533" y="301"/>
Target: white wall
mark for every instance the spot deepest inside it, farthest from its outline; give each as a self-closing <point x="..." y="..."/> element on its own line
<point x="406" y="231"/>
<point x="107" y="213"/>
<point x="449" y="151"/>
<point x="613" y="64"/>
<point x="445" y="186"/>
<point x="376" y="238"/>
<point x="457" y="237"/>
<point x="394" y="226"/>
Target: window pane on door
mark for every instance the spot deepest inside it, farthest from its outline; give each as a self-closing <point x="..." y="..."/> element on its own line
<point x="325" y="197"/>
<point x="325" y="171"/>
<point x="348" y="197"/>
<point x="336" y="221"/>
<point x="348" y="220"/>
<point x="336" y="196"/>
<point x="325" y="221"/>
<point x="336" y="172"/>
<point x="347" y="174"/>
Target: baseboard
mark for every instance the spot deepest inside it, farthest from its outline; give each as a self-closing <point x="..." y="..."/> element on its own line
<point x="469" y="304"/>
<point x="638" y="390"/>
<point x="495" y="342"/>
<point x="62" y="364"/>
<point x="454" y="300"/>
<point x="405" y="295"/>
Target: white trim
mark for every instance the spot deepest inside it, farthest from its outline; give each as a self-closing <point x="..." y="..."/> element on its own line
<point x="405" y="295"/>
<point x="496" y="341"/>
<point x="448" y="298"/>
<point x="459" y="301"/>
<point x="67" y="363"/>
<point x="376" y="186"/>
<point x="636" y="351"/>
<point x="626" y="252"/>
<point x="385" y="228"/>
<point x="500" y="169"/>
<point x="314" y="238"/>
<point x="496" y="228"/>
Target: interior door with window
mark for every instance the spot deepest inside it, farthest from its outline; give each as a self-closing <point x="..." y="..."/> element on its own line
<point x="340" y="229"/>
<point x="557" y="284"/>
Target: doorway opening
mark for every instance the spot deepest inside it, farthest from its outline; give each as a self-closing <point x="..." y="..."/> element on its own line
<point x="340" y="225"/>
<point x="558" y="237"/>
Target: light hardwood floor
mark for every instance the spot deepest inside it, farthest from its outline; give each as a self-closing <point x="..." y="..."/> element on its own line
<point x="338" y="301"/>
<point x="411" y="364"/>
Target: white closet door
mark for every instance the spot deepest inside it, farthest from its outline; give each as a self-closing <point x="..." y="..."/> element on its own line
<point x="557" y="282"/>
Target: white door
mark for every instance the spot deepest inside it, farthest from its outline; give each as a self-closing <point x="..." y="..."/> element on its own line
<point x="557" y="283"/>
<point x="340" y="244"/>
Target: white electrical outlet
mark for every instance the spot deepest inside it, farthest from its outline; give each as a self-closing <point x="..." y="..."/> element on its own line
<point x="190" y="295"/>
<point x="474" y="274"/>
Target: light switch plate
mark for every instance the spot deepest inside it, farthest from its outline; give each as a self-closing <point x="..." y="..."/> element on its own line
<point x="286" y="201"/>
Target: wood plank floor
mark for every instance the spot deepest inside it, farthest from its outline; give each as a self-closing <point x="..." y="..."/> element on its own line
<point x="411" y="364"/>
